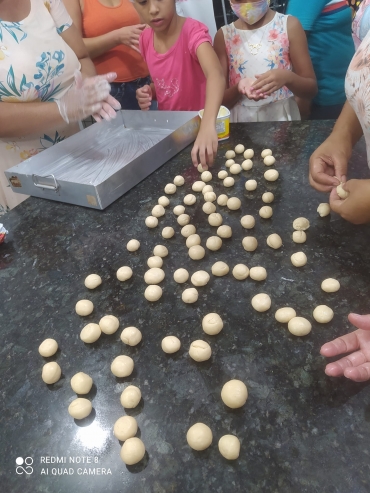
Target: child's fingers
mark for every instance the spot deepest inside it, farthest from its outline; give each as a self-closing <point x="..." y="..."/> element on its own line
<point x="194" y="155"/>
<point x="210" y="154"/>
<point x="257" y="84"/>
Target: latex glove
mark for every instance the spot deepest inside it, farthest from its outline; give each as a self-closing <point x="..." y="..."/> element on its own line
<point x="356" y="207"/>
<point x="328" y="165"/>
<point x="130" y="35"/>
<point x="205" y="146"/>
<point x="245" y="87"/>
<point x="144" y="97"/>
<point x="110" y="105"/>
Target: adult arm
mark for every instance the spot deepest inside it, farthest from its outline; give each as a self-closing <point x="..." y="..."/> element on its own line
<point x="307" y="11"/>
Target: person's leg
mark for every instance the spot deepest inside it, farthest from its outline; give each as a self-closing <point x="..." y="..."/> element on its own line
<point x="117" y="90"/>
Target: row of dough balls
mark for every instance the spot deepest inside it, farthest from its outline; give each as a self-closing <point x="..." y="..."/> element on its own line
<point x="219" y="269"/>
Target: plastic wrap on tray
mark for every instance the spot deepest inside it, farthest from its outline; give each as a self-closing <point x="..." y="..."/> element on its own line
<point x="3" y="233"/>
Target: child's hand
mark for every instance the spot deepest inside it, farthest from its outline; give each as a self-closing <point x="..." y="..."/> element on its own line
<point x="271" y="81"/>
<point x="205" y="146"/>
<point x="356" y="207"/>
<point x="144" y="97"/>
<point x="245" y="87"/>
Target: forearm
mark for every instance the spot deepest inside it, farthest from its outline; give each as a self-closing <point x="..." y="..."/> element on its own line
<point x="101" y="44"/>
<point x="87" y="67"/>
<point x="231" y="96"/>
<point x="303" y="87"/>
<point x="215" y="91"/>
<point x="347" y="129"/>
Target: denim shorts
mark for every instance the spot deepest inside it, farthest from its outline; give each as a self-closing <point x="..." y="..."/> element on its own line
<point x="125" y="92"/>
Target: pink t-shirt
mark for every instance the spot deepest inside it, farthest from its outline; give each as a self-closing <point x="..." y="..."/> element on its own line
<point x="178" y="78"/>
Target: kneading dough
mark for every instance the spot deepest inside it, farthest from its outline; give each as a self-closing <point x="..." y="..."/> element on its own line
<point x="80" y="408"/>
<point x="209" y="207"/>
<point x="222" y="199"/>
<point x="179" y="209"/>
<point x="151" y="222"/>
<point x="154" y="276"/>
<point x="51" y="372"/>
<point x="130" y="397"/>
<point x="81" y="383"/>
<point x="198" y="186"/>
<point x="235" y="169"/>
<point x="181" y="275"/>
<point x="93" y="281"/>
<point x="224" y="231"/>
<point x="248" y="154"/>
<point x="190" y="199"/>
<point x="234" y="394"/>
<point x="323" y="209"/>
<point x="250" y="243"/>
<point x="134" y="245"/>
<point x="109" y="324"/>
<point x="266" y="212"/>
<point x="131" y="336"/>
<point x="229" y="447"/>
<point x="125" y="427"/>
<point x="196" y="252"/>
<point x="84" y="308"/>
<point x="190" y="295"/>
<point x="274" y="241"/>
<point x="229" y="181"/>
<point x="209" y="196"/>
<point x="266" y="152"/>
<point x="271" y="175"/>
<point x="171" y="344"/>
<point x="299" y="236"/>
<point x="222" y="174"/>
<point x="299" y="259"/>
<point x="215" y="219"/>
<point x="220" y="269"/>
<point x="284" y="315"/>
<point x="261" y="302"/>
<point x="212" y="324"/>
<point x="153" y="292"/>
<point x="323" y="314"/>
<point x="160" y="251"/>
<point x="48" y="347"/>
<point x="183" y="219"/>
<point x="330" y="285"/>
<point x="299" y="326"/>
<point x="207" y="188"/>
<point x="247" y="165"/>
<point x="248" y="222"/>
<point x="301" y="224"/>
<point x="258" y="273"/>
<point x="200" y="350"/>
<point x="158" y="211"/>
<point x="179" y="181"/>
<point x="164" y="201"/>
<point x="206" y="176"/>
<point x="170" y="188"/>
<point x="250" y="185"/>
<point x="200" y="278"/>
<point x="234" y="203"/>
<point x="122" y="366"/>
<point x="168" y="232"/>
<point x="192" y="240"/>
<point x="214" y="243"/>
<point x="343" y="194"/>
<point x="188" y="230"/>
<point x="90" y="333"/>
<point x="229" y="154"/>
<point x="269" y="160"/>
<point x="239" y="149"/>
<point x="132" y="451"/>
<point x="199" y="436"/>
<point x="155" y="262"/>
<point x="124" y="273"/>
<point x="268" y="197"/>
<point x="240" y="272"/>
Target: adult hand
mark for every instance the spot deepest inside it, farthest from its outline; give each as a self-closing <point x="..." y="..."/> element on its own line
<point x="144" y="97"/>
<point x="110" y="105"/>
<point x="356" y="365"/>
<point x="271" y="81"/>
<point x="130" y="35"/>
<point x="356" y="207"/>
<point x="328" y="165"/>
<point x="245" y="87"/>
<point x="205" y="146"/>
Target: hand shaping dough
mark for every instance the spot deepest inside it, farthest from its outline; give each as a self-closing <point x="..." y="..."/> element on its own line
<point x="248" y="154"/>
<point x="247" y="165"/>
<point x="84" y="308"/>
<point x="343" y="194"/>
<point x="261" y="302"/>
<point x="330" y="285"/>
<point x="234" y="394"/>
<point x="190" y="295"/>
<point x="209" y="196"/>
<point x="266" y="152"/>
<point x="206" y="176"/>
<point x="299" y="259"/>
<point x="266" y="212"/>
<point x="188" y="230"/>
<point x="122" y="366"/>
<point x="284" y="315"/>
<point x="130" y="397"/>
<point x="134" y="245"/>
<point x="215" y="219"/>
<point x="222" y="199"/>
<point x="271" y="175"/>
<point x="158" y="211"/>
<point x="323" y="209"/>
<point x="268" y="197"/>
<point x="229" y="163"/>
<point x="81" y="383"/>
<point x="224" y="231"/>
<point x="190" y="199"/>
<point x="109" y="324"/>
<point x="80" y="408"/>
<point x="269" y="160"/>
<point x="240" y="272"/>
<point x="200" y="351"/>
<point x="214" y="243"/>
<point x="209" y="207"/>
<point x="132" y="451"/>
<point x="220" y="269"/>
<point x="299" y="326"/>
<point x="198" y="186"/>
<point x="171" y="344"/>
<point x="229" y="181"/>
<point x="125" y="427"/>
<point x="222" y="174"/>
<point x="229" y="154"/>
<point x="258" y="273"/>
<point x="235" y="169"/>
<point x="51" y="372"/>
<point x="199" y="436"/>
<point x="234" y="203"/>
<point x="274" y="241"/>
<point x="323" y="314"/>
<point x="212" y="324"/>
<point x="131" y="336"/>
<point x="229" y="447"/>
<point x="90" y="333"/>
<point x="196" y="252"/>
<point x="124" y="273"/>
<point x="168" y="232"/>
<point x="301" y="224"/>
<point x="179" y="209"/>
<point x="248" y="222"/>
<point x="183" y="219"/>
<point x="151" y="222"/>
<point x="192" y="240"/>
<point x="153" y="292"/>
<point x="181" y="275"/>
<point x="250" y="185"/>
<point x="164" y="201"/>
<point x="170" y="188"/>
<point x="299" y="236"/>
<point x="179" y="180"/>
<point x="200" y="278"/>
<point x="155" y="262"/>
<point x="48" y="347"/>
<point x="93" y="281"/>
<point x="160" y="251"/>
<point x="200" y="168"/>
<point x="239" y="149"/>
<point x="250" y="243"/>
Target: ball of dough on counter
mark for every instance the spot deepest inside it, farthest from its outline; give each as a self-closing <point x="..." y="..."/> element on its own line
<point x="224" y="231"/>
<point x="234" y="203"/>
<point x="285" y="314"/>
<point x="84" y="308"/>
<point x="188" y="230"/>
<point x="207" y="188"/>
<point x="158" y="211"/>
<point x="125" y="427"/>
<point x="323" y="314"/>
<point x="168" y="232"/>
<point x="214" y="243"/>
<point x="122" y="366"/>
<point x="170" y="344"/>
<point x="274" y="241"/>
<point x="215" y="219"/>
<point x="179" y="180"/>
<point x="151" y="222"/>
<point x="190" y="199"/>
<point x="109" y="324"/>
<point x="202" y="168"/>
<point x="343" y="194"/>
<point x="247" y="165"/>
<point x="81" y="383"/>
<point x="200" y="351"/>
<point x="131" y="336"/>
<point x="248" y="154"/>
<point x="299" y="326"/>
<point x="222" y="199"/>
<point x="190" y="295"/>
<point x="234" y="394"/>
<point x="210" y="196"/>
<point x="153" y="292"/>
<point x="269" y="160"/>
<point x="48" y="347"/>
<point x="229" y="447"/>
<point x="80" y="408"/>
<point x="209" y="207"/>
<point x="235" y="169"/>
<point x="301" y="224"/>
<point x="134" y="245"/>
<point x="299" y="259"/>
<point x="248" y="222"/>
<point x="268" y="197"/>
<point x="258" y="273"/>
<point x="164" y="201"/>
<point x="181" y="275"/>
<point x="250" y="243"/>
<point x="266" y="152"/>
<point x="323" y="209"/>
<point x="222" y="174"/>
<point x="160" y="251"/>
<point x="206" y="176"/>
<point x="192" y="240"/>
<point x="132" y="451"/>
<point x="199" y="436"/>
<point x="229" y="154"/>
<point x="178" y="210"/>
<point x="271" y="175"/>
<point x="240" y="272"/>
<point x="229" y="182"/>
<point x="93" y="281"/>
<point x="51" y="372"/>
<point x="266" y="212"/>
<point x="239" y="149"/>
<point x="196" y="252"/>
<point x="170" y="188"/>
<point x="330" y="285"/>
<point x="299" y="236"/>
<point x="124" y="273"/>
<point x="220" y="269"/>
<point x="183" y="219"/>
<point x="130" y="397"/>
<point x="200" y="278"/>
<point x="198" y="186"/>
<point x="212" y="324"/>
<point x="250" y="185"/>
<point x="154" y="276"/>
<point x="261" y="302"/>
<point x="229" y="163"/>
<point x="90" y="333"/>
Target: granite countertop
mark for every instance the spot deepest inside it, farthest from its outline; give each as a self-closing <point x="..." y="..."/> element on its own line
<point x="300" y="431"/>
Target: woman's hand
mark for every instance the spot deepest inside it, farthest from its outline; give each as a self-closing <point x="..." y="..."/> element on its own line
<point x="245" y="87"/>
<point x="356" y="207"/>
<point x="205" y="146"/>
<point x="328" y="165"/>
<point x="110" y="105"/>
<point x="130" y="36"/>
<point x="271" y="81"/>
<point x="144" y="96"/>
<point x="356" y="365"/>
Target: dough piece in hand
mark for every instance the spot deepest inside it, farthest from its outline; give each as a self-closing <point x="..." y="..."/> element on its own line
<point x="268" y="197"/>
<point x="258" y="273"/>
<point x="215" y="219"/>
<point x="323" y="314"/>
<point x="229" y="163"/>
<point x="248" y="222"/>
<point x="220" y="269"/>
<point x="109" y="324"/>
<point x="170" y="188"/>
<point x="90" y="333"/>
<point x="214" y="243"/>
<point x="299" y="326"/>
<point x="299" y="259"/>
<point x="188" y="230"/>
<point x="250" y="185"/>
<point x="209" y="207"/>
<point x="190" y="295"/>
<point x="274" y="241"/>
<point x="179" y="180"/>
<point x="207" y="188"/>
<point x="51" y="372"/>
<point x="154" y="276"/>
<point x="168" y="232"/>
<point x="48" y="347"/>
<point x="130" y="397"/>
<point x="239" y="149"/>
<point x="200" y="278"/>
<point x="299" y="236"/>
<point x="131" y="336"/>
<point x="250" y="243"/>
<point x="240" y="272"/>
<point x="190" y="199"/>
<point x="271" y="175"/>
<point x="181" y="275"/>
<point x="134" y="245"/>
<point x="323" y="209"/>
<point x="84" y="308"/>
<point x="266" y="152"/>
<point x="183" y="219"/>
<point x="122" y="366"/>
<point x="343" y="194"/>
<point x="266" y="212"/>
<point x="269" y="160"/>
<point x="229" y="182"/>
<point x="198" y="186"/>
<point x="93" y="281"/>
<point x="234" y="203"/>
<point x="132" y="451"/>
<point x="179" y="209"/>
<point x="224" y="231"/>
<point x="330" y="285"/>
<point x="222" y="199"/>
<point x="171" y="344"/>
<point x="200" y="168"/>
<point x="125" y="427"/>
<point x="284" y="315"/>
<point x="229" y="447"/>
<point x="247" y="165"/>
<point x="212" y="324"/>
<point x="80" y="408"/>
<point x="81" y="383"/>
<point x="235" y="169"/>
<point x="196" y="252"/>
<point x="248" y="154"/>
<point x="222" y="174"/>
<point x="199" y="436"/>
<point x="160" y="251"/>
<point x="229" y="154"/>
<point x="151" y="222"/>
<point x="158" y="211"/>
<point x="192" y="240"/>
<point x="164" y="201"/>
<point x="261" y="302"/>
<point x="206" y="176"/>
<point x="301" y="224"/>
<point x="210" y="196"/>
<point x="153" y="292"/>
<point x="124" y="273"/>
<point x="200" y="351"/>
<point x="234" y="394"/>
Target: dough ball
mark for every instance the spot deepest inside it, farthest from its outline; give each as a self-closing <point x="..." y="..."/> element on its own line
<point x="323" y="209"/>
<point x="258" y="273"/>
<point x="250" y="185"/>
<point x="207" y="188"/>
<point x="81" y="383"/>
<point x="178" y="210"/>
<point x="266" y="212"/>
<point x="51" y="372"/>
<point x="199" y="436"/>
<point x="190" y="295"/>
<point x="247" y="165"/>
<point x="190" y="199"/>
<point x="329" y="286"/>
<point x="229" y="447"/>
<point x="151" y="222"/>
<point x="222" y="174"/>
<point x="229" y="163"/>
<point x="222" y="199"/>
<point x="192" y="240"/>
<point x="266" y="152"/>
<point x="299" y="326"/>
<point x="240" y="272"/>
<point x="200" y="168"/>
<point x="131" y="336"/>
<point x="130" y="397"/>
<point x="248" y="222"/>
<point x="93" y="281"/>
<point x="234" y="203"/>
<point x="250" y="243"/>
<point x="109" y="324"/>
<point x="212" y="324"/>
<point x="224" y="231"/>
<point x="179" y="181"/>
<point x="239" y="149"/>
<point x="261" y="302"/>
<point x="84" y="308"/>
<point x="122" y="366"/>
<point x="168" y="232"/>
<point x="160" y="251"/>
<point x="234" y="394"/>
<point x="206" y="176"/>
<point x="200" y="351"/>
<point x="134" y="245"/>
<point x="271" y="175"/>
<point x="299" y="236"/>
<point x="158" y="211"/>
<point x="343" y="194"/>
<point x="132" y="451"/>
<point x="220" y="269"/>
<point x="229" y="154"/>
<point x="209" y="207"/>
<point x="80" y="408"/>
<point x="215" y="219"/>
<point x="153" y="292"/>
<point x="301" y="224"/>
<point x="284" y="315"/>
<point x="181" y="275"/>
<point x="268" y="197"/>
<point x="209" y="196"/>
<point x="214" y="243"/>
<point x="171" y="344"/>
<point x="124" y="273"/>
<point x="183" y="219"/>
<point x="170" y="188"/>
<point x="269" y="160"/>
<point x="200" y="278"/>
<point x="323" y="314"/>
<point x="48" y="347"/>
<point x="198" y="186"/>
<point x="274" y="241"/>
<point x="196" y="252"/>
<point x="164" y="201"/>
<point x="188" y="230"/>
<point x="299" y="259"/>
<point x="125" y="427"/>
<point x="248" y="154"/>
<point x="235" y="169"/>
<point x="90" y="333"/>
<point x="229" y="182"/>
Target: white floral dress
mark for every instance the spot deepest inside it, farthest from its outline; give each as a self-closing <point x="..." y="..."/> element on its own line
<point x="36" y="64"/>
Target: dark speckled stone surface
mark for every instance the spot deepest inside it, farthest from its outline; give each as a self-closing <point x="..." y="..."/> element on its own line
<point x="300" y="431"/>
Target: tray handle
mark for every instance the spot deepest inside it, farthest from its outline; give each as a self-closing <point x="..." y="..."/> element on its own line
<point x="37" y="181"/>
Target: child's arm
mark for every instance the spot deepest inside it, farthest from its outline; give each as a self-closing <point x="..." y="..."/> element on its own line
<point x="207" y="142"/>
<point x="145" y="96"/>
